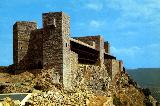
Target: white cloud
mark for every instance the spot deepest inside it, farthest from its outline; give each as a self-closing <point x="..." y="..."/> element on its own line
<point x="131" y="52"/>
<point x="134" y="50"/>
<point x="154" y="50"/>
<point x="95" y="6"/>
<point x="96" y="24"/>
<point x="145" y="56"/>
<point x="135" y="12"/>
<point x="133" y="7"/>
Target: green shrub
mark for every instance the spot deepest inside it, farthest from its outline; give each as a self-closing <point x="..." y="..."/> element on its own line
<point x="116" y="101"/>
<point x="146" y="91"/>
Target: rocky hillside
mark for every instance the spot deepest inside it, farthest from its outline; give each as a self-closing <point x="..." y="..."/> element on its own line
<point x="147" y="78"/>
<point x="93" y="87"/>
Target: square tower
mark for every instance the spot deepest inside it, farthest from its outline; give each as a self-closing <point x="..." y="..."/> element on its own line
<point x="107" y="47"/>
<point x="56" y="43"/>
<point x="21" y="39"/>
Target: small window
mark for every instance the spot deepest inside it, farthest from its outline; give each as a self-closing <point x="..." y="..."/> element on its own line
<point x="66" y="44"/>
<point x="21" y="47"/>
<point x="51" y="22"/>
<point x="40" y="66"/>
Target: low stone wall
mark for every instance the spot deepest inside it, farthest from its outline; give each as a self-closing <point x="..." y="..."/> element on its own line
<point x="113" y="67"/>
<point x="68" y="76"/>
<point x="91" y="76"/>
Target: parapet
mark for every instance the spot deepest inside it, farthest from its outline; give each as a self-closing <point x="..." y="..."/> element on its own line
<point x="90" y="40"/>
<point x="53" y="19"/>
<point x="107" y="47"/>
<point x="25" y="25"/>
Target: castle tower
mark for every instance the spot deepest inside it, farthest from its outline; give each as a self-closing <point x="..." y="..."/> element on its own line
<point x="107" y="47"/>
<point x="21" y="38"/>
<point x="56" y="43"/>
<point x="101" y="51"/>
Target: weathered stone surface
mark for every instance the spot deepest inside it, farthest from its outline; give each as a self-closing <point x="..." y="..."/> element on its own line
<point x="98" y="43"/>
<point x="113" y="67"/>
<point x="107" y="47"/>
<point x="21" y="39"/>
<point x="50" y="47"/>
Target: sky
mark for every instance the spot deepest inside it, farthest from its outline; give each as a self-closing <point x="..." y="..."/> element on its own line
<point x="132" y="27"/>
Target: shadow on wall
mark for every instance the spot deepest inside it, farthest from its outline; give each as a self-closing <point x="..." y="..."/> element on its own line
<point x="34" y="55"/>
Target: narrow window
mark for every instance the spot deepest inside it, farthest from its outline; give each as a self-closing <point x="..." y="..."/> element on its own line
<point x="54" y="22"/>
<point x="66" y="44"/>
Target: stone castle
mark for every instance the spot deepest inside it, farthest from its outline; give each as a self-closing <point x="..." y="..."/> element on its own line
<point x="52" y="47"/>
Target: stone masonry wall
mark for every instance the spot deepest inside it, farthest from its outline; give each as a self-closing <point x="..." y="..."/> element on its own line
<point x="44" y="48"/>
<point x="113" y="67"/>
<point x="52" y="41"/>
<point x="49" y="48"/>
<point x="107" y="47"/>
<point x="91" y="40"/>
<point x="21" y="38"/>
<point x="69" y="78"/>
<point x="101" y="51"/>
<point x="108" y="65"/>
<point x="56" y="44"/>
<point x="95" y="77"/>
<point x="66" y="48"/>
<point x="35" y="53"/>
<point x="121" y="65"/>
<point x="99" y="45"/>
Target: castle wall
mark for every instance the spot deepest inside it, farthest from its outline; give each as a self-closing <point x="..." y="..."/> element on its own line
<point x="21" y="38"/>
<point x="69" y="80"/>
<point x="96" y="41"/>
<point x="108" y="65"/>
<point x="101" y="51"/>
<point x="73" y="61"/>
<point x="121" y="65"/>
<point x="66" y="47"/>
<point x="56" y="43"/>
<point x="90" y="40"/>
<point x="52" y="41"/>
<point x="35" y="53"/>
<point x="113" y="67"/>
<point x="86" y="55"/>
<point x="107" y="47"/>
<point x="95" y="77"/>
<point x="52" y="48"/>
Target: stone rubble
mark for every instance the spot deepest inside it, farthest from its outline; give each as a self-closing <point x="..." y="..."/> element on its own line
<point x="91" y="87"/>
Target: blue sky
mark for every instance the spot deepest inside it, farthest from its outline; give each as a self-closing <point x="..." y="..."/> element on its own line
<point x="131" y="26"/>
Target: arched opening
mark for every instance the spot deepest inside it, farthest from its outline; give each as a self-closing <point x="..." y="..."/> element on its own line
<point x="40" y="65"/>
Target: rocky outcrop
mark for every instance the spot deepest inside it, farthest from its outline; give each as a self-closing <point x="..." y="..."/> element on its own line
<point x="91" y="86"/>
<point x="125" y="91"/>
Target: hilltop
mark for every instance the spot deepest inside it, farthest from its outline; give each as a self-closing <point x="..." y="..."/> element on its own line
<point x="147" y="78"/>
<point x="121" y="91"/>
